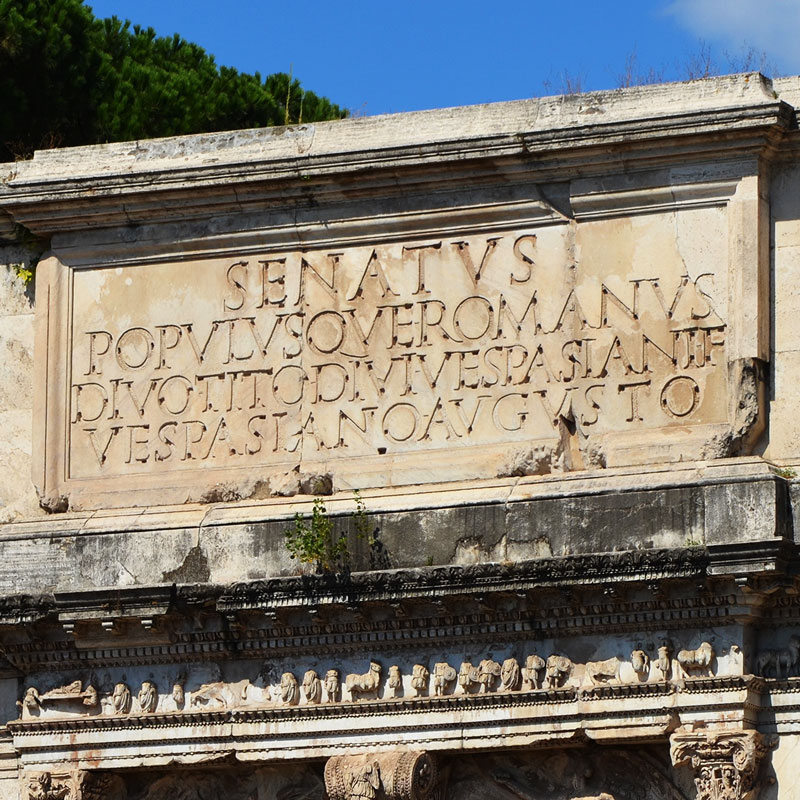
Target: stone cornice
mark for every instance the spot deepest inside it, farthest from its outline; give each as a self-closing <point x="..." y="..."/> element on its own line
<point x="341" y="614"/>
<point x="358" y="587"/>
<point x="547" y="139"/>
<point x="472" y="579"/>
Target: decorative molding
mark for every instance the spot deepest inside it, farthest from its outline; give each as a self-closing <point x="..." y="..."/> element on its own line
<point x="724" y="123"/>
<point x="479" y="612"/>
<point x="375" y="585"/>
<point x="725" y="763"/>
<point x="464" y="580"/>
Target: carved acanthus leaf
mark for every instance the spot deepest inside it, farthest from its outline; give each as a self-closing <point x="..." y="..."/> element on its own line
<point x="725" y="763"/>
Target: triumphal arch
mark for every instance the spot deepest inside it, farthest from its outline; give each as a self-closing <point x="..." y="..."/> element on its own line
<point x="444" y="455"/>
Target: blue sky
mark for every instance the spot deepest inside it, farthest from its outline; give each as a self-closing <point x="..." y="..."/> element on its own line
<point x="378" y="57"/>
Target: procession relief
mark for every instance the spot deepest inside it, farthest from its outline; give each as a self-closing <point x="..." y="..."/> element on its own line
<point x="410" y="680"/>
<point x="466" y="340"/>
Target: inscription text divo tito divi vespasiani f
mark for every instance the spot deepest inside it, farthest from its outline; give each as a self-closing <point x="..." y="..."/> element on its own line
<point x="382" y="349"/>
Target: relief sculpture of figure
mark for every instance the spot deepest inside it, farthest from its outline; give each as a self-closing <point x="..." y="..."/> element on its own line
<point x="312" y="687"/>
<point x="779" y="663"/>
<point x="178" y="693"/>
<point x="488" y="672"/>
<point x="467" y="676"/>
<point x="289" y="690"/>
<point x="510" y="675"/>
<point x="557" y="670"/>
<point x="640" y="662"/>
<point x="148" y="697"/>
<point x="31" y="701"/>
<point x="603" y="671"/>
<point x="395" y="681"/>
<point x="419" y="679"/>
<point x="91" y="697"/>
<point x="365" y="782"/>
<point x="664" y="662"/>
<point x="72" y="692"/>
<point x="443" y="676"/>
<point x="332" y="685"/>
<point x="121" y="698"/>
<point x="531" y="672"/>
<point x="209" y="695"/>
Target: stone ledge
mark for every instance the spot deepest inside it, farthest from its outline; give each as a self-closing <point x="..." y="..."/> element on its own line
<point x="705" y="504"/>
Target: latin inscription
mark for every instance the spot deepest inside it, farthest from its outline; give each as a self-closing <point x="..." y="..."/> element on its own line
<point x="385" y="349"/>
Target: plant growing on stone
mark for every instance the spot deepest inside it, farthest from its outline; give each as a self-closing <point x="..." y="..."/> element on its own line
<point x="23" y="273"/>
<point x="312" y="540"/>
<point x="361" y="521"/>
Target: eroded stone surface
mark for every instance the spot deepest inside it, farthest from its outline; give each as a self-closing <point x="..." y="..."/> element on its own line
<point x="17" y="494"/>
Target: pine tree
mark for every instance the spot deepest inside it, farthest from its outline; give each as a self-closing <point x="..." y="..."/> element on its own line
<point x="68" y="78"/>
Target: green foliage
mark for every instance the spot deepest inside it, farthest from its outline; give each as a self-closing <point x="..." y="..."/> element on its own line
<point x="23" y="273"/>
<point x="314" y="541"/>
<point x="788" y="473"/>
<point x="68" y="78"/>
<point x="361" y="521"/>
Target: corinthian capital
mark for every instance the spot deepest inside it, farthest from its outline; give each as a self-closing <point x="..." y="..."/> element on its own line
<point x="725" y="763"/>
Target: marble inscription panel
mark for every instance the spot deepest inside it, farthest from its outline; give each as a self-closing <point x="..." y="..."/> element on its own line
<point x="379" y="361"/>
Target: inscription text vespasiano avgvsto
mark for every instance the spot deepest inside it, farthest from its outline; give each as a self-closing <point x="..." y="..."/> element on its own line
<point x="385" y="348"/>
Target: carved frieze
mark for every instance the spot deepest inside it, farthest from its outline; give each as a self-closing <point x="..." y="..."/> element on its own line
<point x="411" y="680"/>
<point x="46" y="786"/>
<point x="779" y="663"/>
<point x="607" y="773"/>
